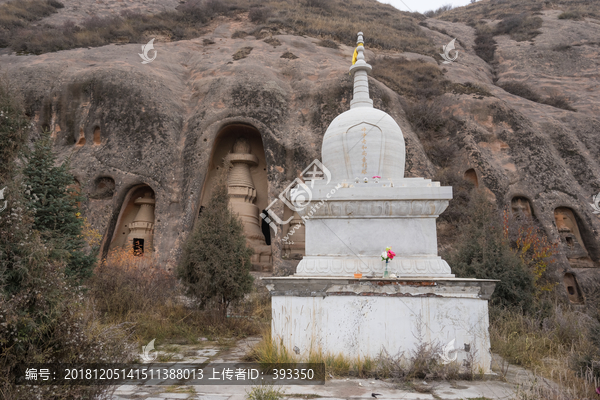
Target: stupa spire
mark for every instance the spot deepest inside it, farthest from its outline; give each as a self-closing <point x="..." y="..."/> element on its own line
<point x="360" y="68"/>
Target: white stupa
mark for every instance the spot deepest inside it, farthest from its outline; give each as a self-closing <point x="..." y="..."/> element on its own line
<point x="366" y="206"/>
<point x="376" y="207"/>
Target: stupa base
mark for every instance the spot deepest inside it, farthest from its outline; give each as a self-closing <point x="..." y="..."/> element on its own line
<point x="362" y="317"/>
<point x="429" y="266"/>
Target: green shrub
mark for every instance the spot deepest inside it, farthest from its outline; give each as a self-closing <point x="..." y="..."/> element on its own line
<point x="520" y="89"/>
<point x="558" y="102"/>
<point x="411" y="78"/>
<point x="485" y="45"/>
<point x="265" y="392"/>
<point x="242" y="53"/>
<point x="520" y="27"/>
<point x="523" y="90"/>
<point x="12" y="130"/>
<point x="328" y="43"/>
<point x="576" y="15"/>
<point x="215" y="265"/>
<point x="561" y="47"/>
<point x="469" y="88"/>
<point x="54" y="201"/>
<point x="42" y="317"/>
<point x="425" y="116"/>
<point x="259" y="14"/>
<point x="438" y="11"/>
<point x="483" y="252"/>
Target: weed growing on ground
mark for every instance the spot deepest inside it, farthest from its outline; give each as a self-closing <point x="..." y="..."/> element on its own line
<point x="265" y="392"/>
<point x="421" y="363"/>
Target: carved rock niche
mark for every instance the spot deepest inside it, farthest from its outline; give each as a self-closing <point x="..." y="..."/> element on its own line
<point x="471" y="176"/>
<point x="97" y="136"/>
<point x="521" y="207"/>
<point x="566" y="223"/>
<point x="104" y="188"/>
<point x="573" y="289"/>
<point x="135" y="226"/>
<point x="81" y="138"/>
<point x="242" y="146"/>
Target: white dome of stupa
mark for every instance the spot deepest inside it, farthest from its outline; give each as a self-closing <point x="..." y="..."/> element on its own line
<point x="363" y="142"/>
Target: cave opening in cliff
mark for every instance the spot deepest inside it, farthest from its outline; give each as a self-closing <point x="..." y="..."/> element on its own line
<point x="471" y="176"/>
<point x="138" y="247"/>
<point x="81" y="139"/>
<point x="573" y="290"/>
<point x="521" y="208"/>
<point x="580" y="245"/>
<point x="135" y="225"/>
<point x="247" y="183"/>
<point x="97" y="136"/>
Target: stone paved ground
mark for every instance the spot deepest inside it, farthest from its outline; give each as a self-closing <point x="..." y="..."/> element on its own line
<point x="334" y="389"/>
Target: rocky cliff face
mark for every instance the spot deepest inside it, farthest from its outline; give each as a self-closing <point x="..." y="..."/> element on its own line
<point x="127" y="125"/>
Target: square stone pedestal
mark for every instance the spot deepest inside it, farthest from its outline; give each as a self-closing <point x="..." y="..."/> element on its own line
<point x="361" y="317"/>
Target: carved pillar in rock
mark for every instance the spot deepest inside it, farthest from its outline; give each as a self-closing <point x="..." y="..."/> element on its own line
<point x="242" y="196"/>
<point x="294" y="246"/>
<point x="141" y="230"/>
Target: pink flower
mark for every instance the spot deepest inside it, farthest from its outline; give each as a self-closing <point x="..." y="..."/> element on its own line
<point x="598" y="390"/>
<point x="391" y="254"/>
<point x="376" y="177"/>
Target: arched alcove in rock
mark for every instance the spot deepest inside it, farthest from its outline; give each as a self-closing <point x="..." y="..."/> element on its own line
<point x="579" y="243"/>
<point x="247" y="183"/>
<point x="135" y="225"/>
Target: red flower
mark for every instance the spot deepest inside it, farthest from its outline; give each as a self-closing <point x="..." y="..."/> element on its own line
<point x="391" y="254"/>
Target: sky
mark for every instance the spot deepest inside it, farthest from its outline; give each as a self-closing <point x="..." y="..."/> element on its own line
<point x="423" y="5"/>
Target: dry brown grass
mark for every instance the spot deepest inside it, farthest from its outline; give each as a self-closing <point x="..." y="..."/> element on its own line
<point x="557" y="343"/>
<point x="499" y="9"/>
<point x="410" y="78"/>
<point x="400" y="368"/>
<point x="523" y="90"/>
<point x="137" y="290"/>
<point x="385" y="27"/>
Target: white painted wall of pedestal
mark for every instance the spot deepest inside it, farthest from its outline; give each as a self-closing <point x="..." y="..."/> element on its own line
<point x="358" y="318"/>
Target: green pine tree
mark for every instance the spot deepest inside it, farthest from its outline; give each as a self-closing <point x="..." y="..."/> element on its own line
<point x="215" y="266"/>
<point x="42" y="316"/>
<point x="483" y="252"/>
<point x="57" y="215"/>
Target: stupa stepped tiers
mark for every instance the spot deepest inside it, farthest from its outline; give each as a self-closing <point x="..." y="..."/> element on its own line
<point x="242" y="199"/>
<point x="141" y="233"/>
<point x="339" y="301"/>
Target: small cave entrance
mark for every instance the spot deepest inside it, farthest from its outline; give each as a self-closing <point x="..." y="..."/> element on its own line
<point x="578" y="240"/>
<point x="97" y="136"/>
<point x="471" y="176"/>
<point x="572" y="287"/>
<point x="104" y="188"/>
<point x="135" y="226"/>
<point x="521" y="208"/>
<point x="138" y="247"/>
<point x="81" y="139"/>
<point x="247" y="183"/>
